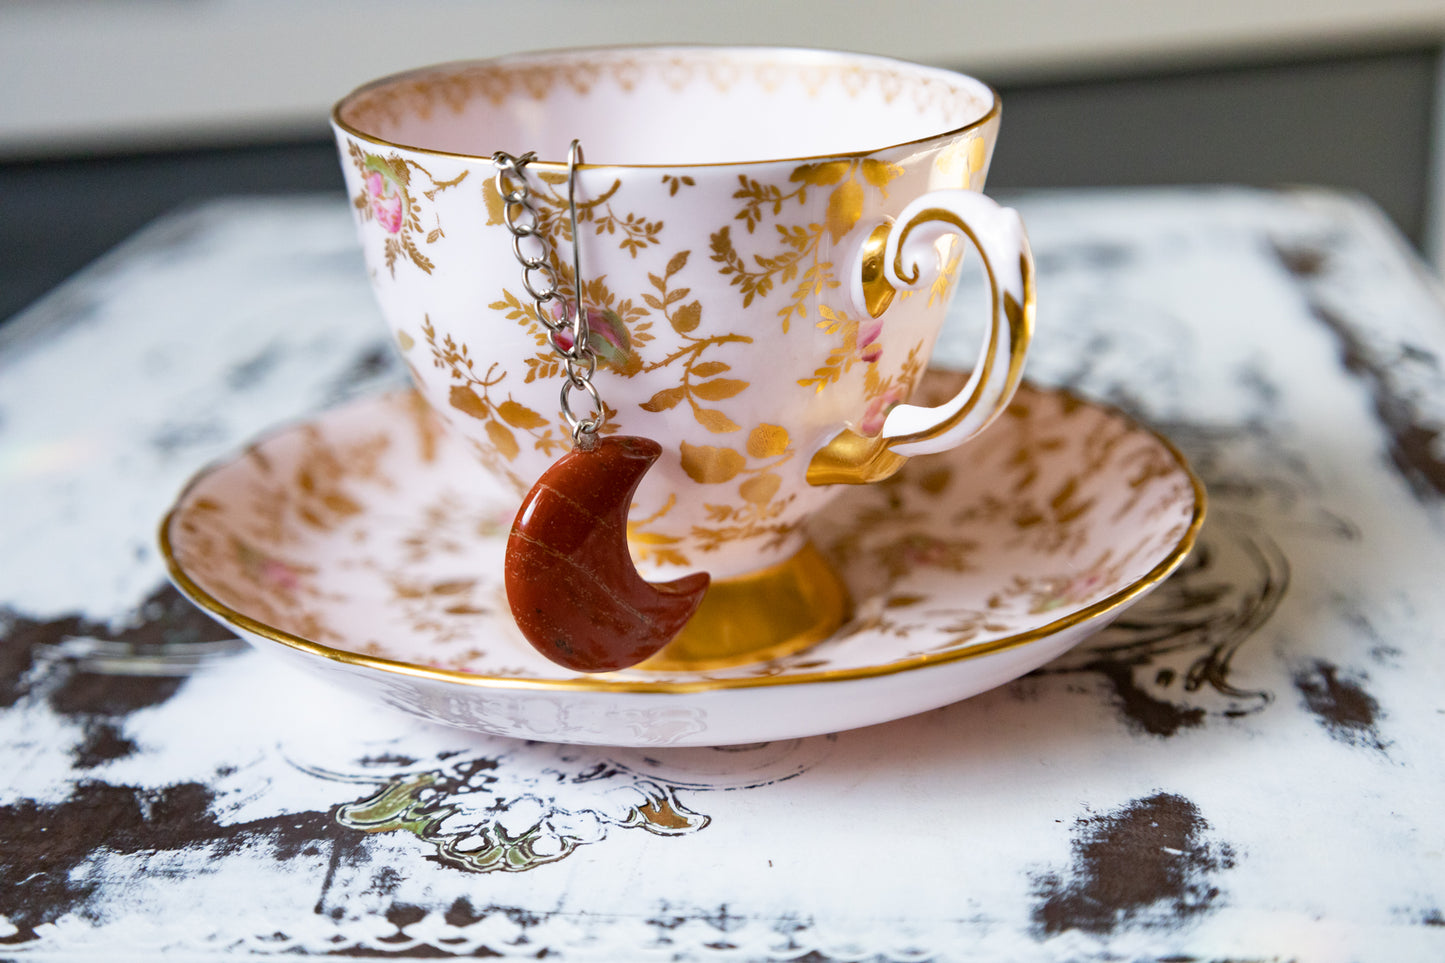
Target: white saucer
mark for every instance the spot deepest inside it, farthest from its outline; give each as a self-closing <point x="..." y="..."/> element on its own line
<point x="365" y="544"/>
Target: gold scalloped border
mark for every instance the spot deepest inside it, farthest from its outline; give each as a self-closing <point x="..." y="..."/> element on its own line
<point x="446" y="77"/>
<point x="607" y="683"/>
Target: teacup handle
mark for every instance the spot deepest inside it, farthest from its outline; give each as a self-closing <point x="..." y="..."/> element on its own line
<point x="893" y="257"/>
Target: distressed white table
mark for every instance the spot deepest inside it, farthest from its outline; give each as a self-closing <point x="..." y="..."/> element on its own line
<point x="1247" y="767"/>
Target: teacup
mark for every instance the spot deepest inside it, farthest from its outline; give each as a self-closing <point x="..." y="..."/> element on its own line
<point x="769" y="239"/>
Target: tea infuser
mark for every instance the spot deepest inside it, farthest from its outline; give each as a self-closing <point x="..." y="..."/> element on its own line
<point x="571" y="584"/>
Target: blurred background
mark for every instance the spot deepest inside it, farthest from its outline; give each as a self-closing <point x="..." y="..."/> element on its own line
<point x="117" y="111"/>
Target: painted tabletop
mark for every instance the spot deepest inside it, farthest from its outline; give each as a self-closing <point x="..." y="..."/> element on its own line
<point x="1246" y="766"/>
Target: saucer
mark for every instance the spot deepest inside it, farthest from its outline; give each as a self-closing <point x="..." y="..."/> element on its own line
<point x="365" y="545"/>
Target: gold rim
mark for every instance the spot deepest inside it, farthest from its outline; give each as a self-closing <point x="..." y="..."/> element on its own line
<point x="994" y="109"/>
<point x="605" y="684"/>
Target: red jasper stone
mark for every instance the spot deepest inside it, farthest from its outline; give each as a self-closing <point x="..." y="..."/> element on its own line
<point x="571" y="583"/>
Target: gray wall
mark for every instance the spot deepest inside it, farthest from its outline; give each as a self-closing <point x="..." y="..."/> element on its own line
<point x="1362" y="122"/>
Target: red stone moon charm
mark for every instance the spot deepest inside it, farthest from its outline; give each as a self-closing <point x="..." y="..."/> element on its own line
<point x="571" y="583"/>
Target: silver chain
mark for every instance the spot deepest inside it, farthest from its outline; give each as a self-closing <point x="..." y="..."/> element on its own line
<point x="539" y="277"/>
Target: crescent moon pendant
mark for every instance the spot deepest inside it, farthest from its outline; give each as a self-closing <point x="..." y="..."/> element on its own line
<point x="571" y="583"/>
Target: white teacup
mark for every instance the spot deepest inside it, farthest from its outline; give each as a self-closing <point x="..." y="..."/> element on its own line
<point x="769" y="240"/>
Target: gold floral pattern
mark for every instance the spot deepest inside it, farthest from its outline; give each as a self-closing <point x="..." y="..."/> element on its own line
<point x="800" y="258"/>
<point x="621" y="333"/>
<point x="391" y="197"/>
<point x="310" y="493"/>
<point x="621" y="329"/>
<point x="755" y="511"/>
<point x="471" y="394"/>
<point x="847" y="183"/>
<point x="634" y="233"/>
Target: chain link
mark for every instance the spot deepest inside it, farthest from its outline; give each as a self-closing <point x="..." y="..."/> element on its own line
<point x="568" y="333"/>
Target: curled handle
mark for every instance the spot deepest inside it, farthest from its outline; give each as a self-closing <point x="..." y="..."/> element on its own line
<point x="895" y="258"/>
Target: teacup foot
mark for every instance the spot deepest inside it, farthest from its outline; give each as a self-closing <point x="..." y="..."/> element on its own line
<point x="763" y="615"/>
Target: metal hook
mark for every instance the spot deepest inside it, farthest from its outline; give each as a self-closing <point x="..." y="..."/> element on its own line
<point x="584" y="431"/>
<point x="580" y="333"/>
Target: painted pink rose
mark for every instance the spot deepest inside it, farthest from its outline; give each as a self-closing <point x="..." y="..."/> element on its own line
<point x="920" y="550"/>
<point x="1074" y="592"/>
<point x="385" y="200"/>
<point x="260" y="567"/>
<point x="877" y="411"/>
<point x="869" y="349"/>
<point x="280" y="574"/>
<point x="606" y="335"/>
